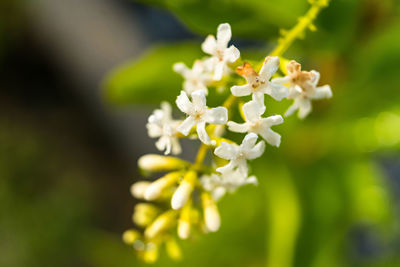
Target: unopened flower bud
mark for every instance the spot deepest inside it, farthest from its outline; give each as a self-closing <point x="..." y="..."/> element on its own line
<point x="173" y="249"/>
<point x="163" y="222"/>
<point x="212" y="219"/>
<point x="156" y="188"/>
<point x="184" y="223"/>
<point x="150" y="255"/>
<point x="139" y="188"/>
<point x="156" y="163"/>
<point x="144" y="214"/>
<point x="130" y="236"/>
<point x="184" y="190"/>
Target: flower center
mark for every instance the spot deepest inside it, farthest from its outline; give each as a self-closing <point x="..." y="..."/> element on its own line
<point x="257" y="82"/>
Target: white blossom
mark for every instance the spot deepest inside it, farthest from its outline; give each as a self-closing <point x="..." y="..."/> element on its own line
<point x="303" y="88"/>
<point x="228" y="181"/>
<point x="259" y="84"/>
<point x="160" y="124"/>
<point x="256" y="124"/>
<point x="237" y="155"/>
<point x="199" y="114"/>
<point x="196" y="78"/>
<point x="220" y="53"/>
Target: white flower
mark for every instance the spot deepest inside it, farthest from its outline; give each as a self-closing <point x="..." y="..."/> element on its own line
<point x="229" y="181"/>
<point x="160" y="124"/>
<point x="199" y="114"/>
<point x="196" y="78"/>
<point x="303" y="88"/>
<point x="219" y="50"/>
<point x="237" y="155"/>
<point x="256" y="124"/>
<point x="259" y="84"/>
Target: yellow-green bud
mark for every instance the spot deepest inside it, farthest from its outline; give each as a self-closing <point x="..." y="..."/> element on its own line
<point x="212" y="219"/>
<point x="150" y="255"/>
<point x="144" y="214"/>
<point x="184" y="190"/>
<point x="162" y="223"/>
<point x="156" y="163"/>
<point x="130" y="236"/>
<point x="156" y="188"/>
<point x="139" y="188"/>
<point x="184" y="222"/>
<point x="173" y="249"/>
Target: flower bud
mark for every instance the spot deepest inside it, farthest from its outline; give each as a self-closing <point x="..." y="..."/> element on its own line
<point x="184" y="223"/>
<point x="144" y="214"/>
<point x="163" y="222"/>
<point x="130" y="236"/>
<point x="156" y="163"/>
<point x="212" y="219"/>
<point x="139" y="188"/>
<point x="173" y="250"/>
<point x="184" y="190"/>
<point x="150" y="255"/>
<point x="156" y="188"/>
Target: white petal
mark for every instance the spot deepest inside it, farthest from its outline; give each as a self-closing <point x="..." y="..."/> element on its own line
<point x="277" y="91"/>
<point x="273" y="120"/>
<point x="273" y="138"/>
<point x="176" y="147"/>
<point x="199" y="99"/>
<point x="238" y="127"/>
<point x="219" y="71"/>
<point x="253" y="110"/>
<point x="209" y="45"/>
<point x="218" y="193"/>
<point x="231" y="54"/>
<point x="292" y="108"/>
<point x="323" y="92"/>
<point x="256" y="151"/>
<point x="315" y="77"/>
<point x="183" y="103"/>
<point x="242" y="167"/>
<point x="270" y="66"/>
<point x="217" y="115"/>
<point x="258" y="97"/>
<point x="227" y="168"/>
<point x="224" y="35"/>
<point x="241" y="90"/>
<point x="248" y="142"/>
<point x="186" y="125"/>
<point x="252" y="180"/>
<point x="164" y="144"/>
<point x="202" y="133"/>
<point x="304" y="108"/>
<point x="226" y="151"/>
<point x="281" y="80"/>
<point x="180" y="68"/>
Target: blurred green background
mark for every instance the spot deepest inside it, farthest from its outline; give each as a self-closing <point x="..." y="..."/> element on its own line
<point x="70" y="138"/>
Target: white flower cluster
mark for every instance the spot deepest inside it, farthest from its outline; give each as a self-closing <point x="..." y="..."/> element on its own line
<point x="300" y="86"/>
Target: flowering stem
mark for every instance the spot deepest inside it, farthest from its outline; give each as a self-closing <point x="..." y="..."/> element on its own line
<point x="297" y="31"/>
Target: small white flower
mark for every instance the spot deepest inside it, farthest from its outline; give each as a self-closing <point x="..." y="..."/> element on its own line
<point x="199" y="114"/>
<point x="237" y="155"/>
<point x="229" y="181"/>
<point x="160" y="124"/>
<point x="196" y="78"/>
<point x="219" y="50"/>
<point x="259" y="84"/>
<point x="303" y="88"/>
<point x="256" y="124"/>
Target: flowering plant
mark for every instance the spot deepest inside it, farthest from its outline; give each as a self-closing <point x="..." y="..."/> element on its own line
<point x="186" y="196"/>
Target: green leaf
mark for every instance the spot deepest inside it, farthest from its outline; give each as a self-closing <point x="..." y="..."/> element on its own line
<point x="150" y="79"/>
<point x="249" y="18"/>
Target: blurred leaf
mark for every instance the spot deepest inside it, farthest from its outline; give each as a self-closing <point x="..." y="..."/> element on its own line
<point x="151" y="79"/>
<point x="250" y="18"/>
